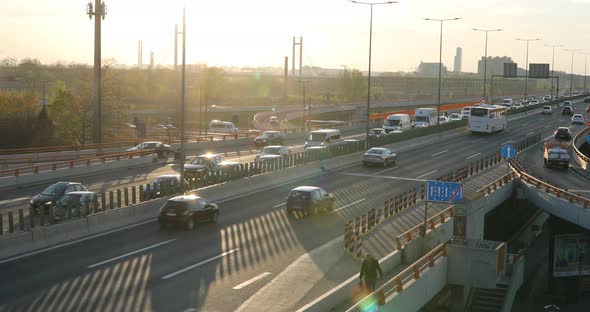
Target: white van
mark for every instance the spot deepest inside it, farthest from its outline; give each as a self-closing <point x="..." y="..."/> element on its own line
<point x="322" y="137"/>
<point x="424" y="117"/>
<point x="216" y="126"/>
<point x="466" y="112"/>
<point x="397" y="122"/>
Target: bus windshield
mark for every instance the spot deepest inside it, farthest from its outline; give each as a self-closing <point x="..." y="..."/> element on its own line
<point x="319" y="137"/>
<point x="420" y="118"/>
<point x="479" y="112"/>
<point x="392" y="123"/>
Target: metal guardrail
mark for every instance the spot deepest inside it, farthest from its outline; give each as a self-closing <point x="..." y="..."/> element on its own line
<point x="396" y="284"/>
<point x="437" y="219"/>
<point x="581" y="155"/>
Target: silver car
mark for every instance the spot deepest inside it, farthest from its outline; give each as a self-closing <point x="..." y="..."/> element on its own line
<point x="379" y="155"/>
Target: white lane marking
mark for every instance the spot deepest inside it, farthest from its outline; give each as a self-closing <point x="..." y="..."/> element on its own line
<point x="382" y="171"/>
<point x="422" y="176"/>
<point x="546" y="126"/>
<point x="132" y="253"/>
<point x="436" y="154"/>
<point x="532" y="132"/>
<point x="474" y="155"/>
<point x="279" y="205"/>
<point x="476" y="141"/>
<point x="200" y="263"/>
<point x="525" y="124"/>
<point x="252" y="280"/>
<point x="348" y="205"/>
<point x="77" y="241"/>
<point x="510" y="141"/>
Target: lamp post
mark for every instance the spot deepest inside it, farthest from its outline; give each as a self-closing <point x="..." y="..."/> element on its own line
<point x="526" y="77"/>
<point x="585" y="68"/>
<point x="303" y="83"/>
<point x="440" y="59"/>
<point x="485" y="60"/>
<point x="371" y="4"/>
<point x="553" y="63"/>
<point x="572" y="69"/>
<point x="182" y="97"/>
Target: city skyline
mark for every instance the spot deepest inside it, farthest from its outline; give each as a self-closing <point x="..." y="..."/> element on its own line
<point x="259" y="33"/>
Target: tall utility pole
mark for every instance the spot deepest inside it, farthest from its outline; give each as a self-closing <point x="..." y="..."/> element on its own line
<point x="440" y="59"/>
<point x="139" y="54"/>
<point x="99" y="11"/>
<point x="175" y="46"/>
<point x="300" y="44"/>
<point x="182" y="96"/>
<point x="572" y="69"/>
<point x="285" y="80"/>
<point x="526" y="76"/>
<point x="485" y="60"/>
<point x="303" y="83"/>
<point x="553" y="63"/>
<point x="367" y="127"/>
<point x="585" y="68"/>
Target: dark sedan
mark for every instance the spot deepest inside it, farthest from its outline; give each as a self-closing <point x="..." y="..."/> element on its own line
<point x="168" y="179"/>
<point x="563" y="133"/>
<point x="380" y="156"/>
<point x="187" y="210"/>
<point x="270" y="138"/>
<point x="50" y="195"/>
<point x="567" y="110"/>
<point x="72" y="204"/>
<point x="310" y="199"/>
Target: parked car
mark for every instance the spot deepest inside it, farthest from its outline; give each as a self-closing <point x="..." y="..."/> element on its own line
<point x="377" y="133"/>
<point x="162" y="150"/>
<point x="547" y="110"/>
<point x="270" y="138"/>
<point x="154" y="191"/>
<point x="203" y="163"/>
<point x="455" y="117"/>
<point x="310" y="199"/>
<point x="275" y="150"/>
<point x="46" y="200"/>
<point x="187" y="210"/>
<point x="379" y="155"/>
<point x="563" y="133"/>
<point x="578" y="119"/>
<point x="71" y="203"/>
<point x="567" y="110"/>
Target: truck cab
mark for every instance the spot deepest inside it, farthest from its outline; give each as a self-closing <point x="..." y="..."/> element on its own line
<point x="556" y="155"/>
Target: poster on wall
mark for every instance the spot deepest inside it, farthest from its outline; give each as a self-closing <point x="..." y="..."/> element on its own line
<point x="571" y="255"/>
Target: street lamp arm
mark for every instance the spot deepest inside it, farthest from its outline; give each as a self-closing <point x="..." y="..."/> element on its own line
<point x="372" y="3"/>
<point x="442" y="20"/>
<point x="486" y="30"/>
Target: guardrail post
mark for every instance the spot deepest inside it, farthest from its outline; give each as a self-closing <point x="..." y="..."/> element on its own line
<point x="78" y="209"/>
<point x="32" y="216"/>
<point x="111" y="200"/>
<point x="126" y="195"/>
<point x="141" y="198"/>
<point x="10" y="222"/>
<point x="104" y="201"/>
<point x="21" y="219"/>
<point x="133" y="195"/>
<point x="86" y="208"/>
<point x="118" y="198"/>
<point x="1" y="224"/>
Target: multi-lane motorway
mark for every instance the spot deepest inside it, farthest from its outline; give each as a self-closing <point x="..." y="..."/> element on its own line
<point x="218" y="267"/>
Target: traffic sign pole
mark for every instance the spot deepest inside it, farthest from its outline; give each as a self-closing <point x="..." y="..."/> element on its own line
<point x="425" y="211"/>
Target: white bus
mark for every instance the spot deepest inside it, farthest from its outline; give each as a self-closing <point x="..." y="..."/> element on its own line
<point x="487" y="118"/>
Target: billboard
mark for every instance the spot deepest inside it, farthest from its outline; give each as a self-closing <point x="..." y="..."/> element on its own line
<point x="509" y="70"/>
<point x="538" y="70"/>
<point x="571" y="255"/>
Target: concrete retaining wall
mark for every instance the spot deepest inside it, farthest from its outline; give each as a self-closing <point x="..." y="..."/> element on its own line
<point x="419" y="291"/>
<point x="418" y="247"/>
<point x="81" y="170"/>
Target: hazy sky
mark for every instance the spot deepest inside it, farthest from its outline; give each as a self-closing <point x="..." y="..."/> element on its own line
<point x="336" y="32"/>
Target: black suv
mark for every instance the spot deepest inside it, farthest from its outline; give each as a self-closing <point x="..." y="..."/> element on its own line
<point x="186" y="210"/>
<point x="567" y="110"/>
<point x="563" y="133"/>
<point x="50" y="195"/>
<point x="310" y="199"/>
<point x="270" y="138"/>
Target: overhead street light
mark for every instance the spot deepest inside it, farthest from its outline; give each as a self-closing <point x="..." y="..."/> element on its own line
<point x="371" y="4"/>
<point x="553" y="64"/>
<point x="526" y="78"/>
<point x="572" y="68"/>
<point x="585" y="68"/>
<point x="303" y="84"/>
<point x="485" y="60"/>
<point x="440" y="59"/>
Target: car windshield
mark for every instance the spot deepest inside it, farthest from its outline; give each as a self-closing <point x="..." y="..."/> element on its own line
<point x="546" y="107"/>
<point x="506" y="101"/>
<point x="159" y="180"/>
<point x="316" y="137"/>
<point x="479" y="112"/>
<point x="562" y="129"/>
<point x="54" y="189"/>
<point x="266" y="135"/>
<point x="299" y="195"/>
<point x="392" y="123"/>
<point x="202" y="161"/>
<point x="454" y="116"/>
<point x="271" y="150"/>
<point x="375" y="151"/>
<point x="375" y="131"/>
<point x="420" y="118"/>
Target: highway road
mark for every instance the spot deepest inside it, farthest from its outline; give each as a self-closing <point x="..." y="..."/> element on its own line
<point x="217" y="267"/>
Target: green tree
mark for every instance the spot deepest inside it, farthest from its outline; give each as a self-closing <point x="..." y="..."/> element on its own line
<point x="17" y="118"/>
<point x="70" y="115"/>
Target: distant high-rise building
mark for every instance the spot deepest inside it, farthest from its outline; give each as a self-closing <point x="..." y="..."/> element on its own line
<point x="458" y="60"/>
<point x="430" y="69"/>
<point x="495" y="65"/>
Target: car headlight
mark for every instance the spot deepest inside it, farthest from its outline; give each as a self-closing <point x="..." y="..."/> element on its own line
<point x="32" y="202"/>
<point x="49" y="203"/>
<point x="322" y="144"/>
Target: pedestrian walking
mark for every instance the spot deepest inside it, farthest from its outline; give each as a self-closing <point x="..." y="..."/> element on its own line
<point x="369" y="270"/>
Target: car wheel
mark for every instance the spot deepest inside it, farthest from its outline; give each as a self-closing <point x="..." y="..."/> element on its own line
<point x="214" y="216"/>
<point x="190" y="224"/>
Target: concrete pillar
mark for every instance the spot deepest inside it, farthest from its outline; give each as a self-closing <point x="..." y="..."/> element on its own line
<point x="469" y="217"/>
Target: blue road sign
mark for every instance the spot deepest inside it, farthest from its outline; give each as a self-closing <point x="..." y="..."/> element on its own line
<point x="508" y="151"/>
<point x="446" y="192"/>
<point x="588" y="138"/>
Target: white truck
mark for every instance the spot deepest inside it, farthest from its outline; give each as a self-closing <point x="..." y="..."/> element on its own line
<point x="424" y="117"/>
<point x="556" y="155"/>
